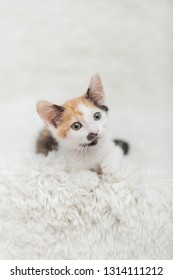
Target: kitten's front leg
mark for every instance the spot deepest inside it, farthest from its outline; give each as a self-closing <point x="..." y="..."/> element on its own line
<point x="111" y="161"/>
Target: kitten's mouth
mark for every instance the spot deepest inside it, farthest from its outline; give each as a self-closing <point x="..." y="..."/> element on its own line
<point x="92" y="143"/>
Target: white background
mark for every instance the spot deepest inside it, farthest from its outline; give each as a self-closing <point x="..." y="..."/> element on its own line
<point x="50" y="49"/>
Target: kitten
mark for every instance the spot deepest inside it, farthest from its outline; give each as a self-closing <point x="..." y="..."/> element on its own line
<point x="78" y="131"/>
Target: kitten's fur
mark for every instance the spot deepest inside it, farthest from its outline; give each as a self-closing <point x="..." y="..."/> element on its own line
<point x="78" y="131"/>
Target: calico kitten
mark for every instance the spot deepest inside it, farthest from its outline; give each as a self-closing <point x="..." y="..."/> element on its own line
<point x="78" y="131"/>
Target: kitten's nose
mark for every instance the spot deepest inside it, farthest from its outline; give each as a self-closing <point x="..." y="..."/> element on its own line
<point x="91" y="136"/>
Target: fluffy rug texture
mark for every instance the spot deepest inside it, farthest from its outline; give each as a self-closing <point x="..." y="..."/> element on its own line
<point x="49" y="50"/>
<point x="47" y="213"/>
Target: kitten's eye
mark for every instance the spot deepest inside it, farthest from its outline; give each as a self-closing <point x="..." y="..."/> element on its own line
<point x="97" y="116"/>
<point x="76" y="126"/>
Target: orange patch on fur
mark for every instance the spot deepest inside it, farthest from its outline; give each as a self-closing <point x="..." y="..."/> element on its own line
<point x="72" y="114"/>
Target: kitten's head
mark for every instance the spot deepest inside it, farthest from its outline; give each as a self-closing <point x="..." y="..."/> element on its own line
<point x="80" y="122"/>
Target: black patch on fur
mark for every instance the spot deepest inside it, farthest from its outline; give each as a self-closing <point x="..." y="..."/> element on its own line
<point x="91" y="136"/>
<point x="102" y="107"/>
<point x="46" y="143"/>
<point x="123" y="145"/>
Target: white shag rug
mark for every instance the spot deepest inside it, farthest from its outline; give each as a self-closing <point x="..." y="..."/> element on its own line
<point x="49" y="50"/>
<point x="49" y="214"/>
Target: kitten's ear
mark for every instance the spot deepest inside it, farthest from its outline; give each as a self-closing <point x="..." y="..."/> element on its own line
<point x="95" y="90"/>
<point x="50" y="113"/>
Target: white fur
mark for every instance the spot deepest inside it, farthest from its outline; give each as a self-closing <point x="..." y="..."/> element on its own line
<point x="105" y="155"/>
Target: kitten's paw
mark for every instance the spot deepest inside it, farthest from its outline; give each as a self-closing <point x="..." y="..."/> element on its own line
<point x="108" y="169"/>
